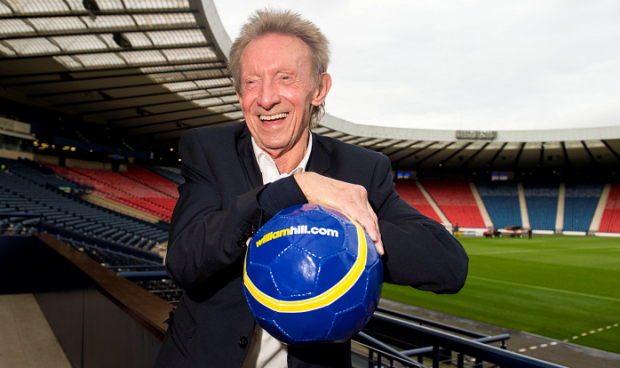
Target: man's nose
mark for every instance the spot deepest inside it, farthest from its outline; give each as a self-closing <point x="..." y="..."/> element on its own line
<point x="269" y="95"/>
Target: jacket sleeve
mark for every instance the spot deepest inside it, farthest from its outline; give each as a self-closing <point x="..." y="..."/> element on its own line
<point x="204" y="237"/>
<point x="418" y="251"/>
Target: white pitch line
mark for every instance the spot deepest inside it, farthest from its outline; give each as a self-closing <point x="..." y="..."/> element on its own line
<point x="540" y="250"/>
<point x="547" y="289"/>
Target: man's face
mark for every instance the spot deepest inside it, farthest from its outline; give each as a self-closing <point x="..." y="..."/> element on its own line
<point x="277" y="92"/>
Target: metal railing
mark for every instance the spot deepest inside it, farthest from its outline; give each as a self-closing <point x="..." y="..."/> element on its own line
<point x="13" y="215"/>
<point x="438" y="345"/>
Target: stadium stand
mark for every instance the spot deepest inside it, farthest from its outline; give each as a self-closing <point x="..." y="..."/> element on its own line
<point x="502" y="202"/>
<point x="409" y="191"/>
<point x="580" y="204"/>
<point x="455" y="199"/>
<point x="152" y="180"/>
<point x="121" y="189"/>
<point x="64" y="210"/>
<point x="610" y="223"/>
<point x="34" y="172"/>
<point x="542" y="204"/>
<point x="167" y="173"/>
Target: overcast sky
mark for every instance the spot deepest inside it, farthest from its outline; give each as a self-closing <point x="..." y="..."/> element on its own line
<point x="465" y="64"/>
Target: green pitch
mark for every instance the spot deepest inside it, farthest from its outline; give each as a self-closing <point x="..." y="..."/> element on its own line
<point x="556" y="286"/>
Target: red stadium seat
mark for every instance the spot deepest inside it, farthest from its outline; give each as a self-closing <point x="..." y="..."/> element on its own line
<point x="121" y="189"/>
<point x="610" y="223"/>
<point x="455" y="199"/>
<point x="409" y="191"/>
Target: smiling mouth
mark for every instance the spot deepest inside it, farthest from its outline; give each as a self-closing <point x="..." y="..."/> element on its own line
<point x="273" y="117"/>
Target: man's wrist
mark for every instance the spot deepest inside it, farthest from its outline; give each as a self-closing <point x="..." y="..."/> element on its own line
<point x="281" y="194"/>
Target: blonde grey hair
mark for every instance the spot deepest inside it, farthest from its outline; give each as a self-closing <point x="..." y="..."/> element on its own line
<point x="266" y="21"/>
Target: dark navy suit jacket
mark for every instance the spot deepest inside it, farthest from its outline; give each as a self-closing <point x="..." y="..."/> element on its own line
<point x="224" y="198"/>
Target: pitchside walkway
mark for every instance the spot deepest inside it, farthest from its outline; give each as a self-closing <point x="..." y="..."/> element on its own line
<point x="26" y="339"/>
<point x="554" y="351"/>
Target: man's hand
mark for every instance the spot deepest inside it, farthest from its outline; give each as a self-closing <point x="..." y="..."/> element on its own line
<point x="347" y="198"/>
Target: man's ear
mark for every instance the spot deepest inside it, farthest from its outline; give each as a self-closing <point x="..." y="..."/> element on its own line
<point x="321" y="93"/>
<point x="239" y="98"/>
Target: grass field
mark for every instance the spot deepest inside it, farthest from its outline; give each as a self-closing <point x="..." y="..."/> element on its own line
<point x="555" y="286"/>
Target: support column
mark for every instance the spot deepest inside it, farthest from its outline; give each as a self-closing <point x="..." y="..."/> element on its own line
<point x="525" y="218"/>
<point x="483" y="209"/>
<point x="559" y="219"/>
<point x="600" y="208"/>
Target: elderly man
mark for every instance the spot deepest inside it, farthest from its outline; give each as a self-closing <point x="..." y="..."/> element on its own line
<point x="240" y="175"/>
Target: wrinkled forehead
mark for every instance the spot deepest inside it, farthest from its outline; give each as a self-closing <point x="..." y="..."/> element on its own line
<point x="275" y="52"/>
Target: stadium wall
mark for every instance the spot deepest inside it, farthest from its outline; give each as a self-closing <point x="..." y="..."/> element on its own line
<point x="99" y="319"/>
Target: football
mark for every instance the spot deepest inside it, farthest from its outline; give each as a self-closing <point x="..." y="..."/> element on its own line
<point x="312" y="276"/>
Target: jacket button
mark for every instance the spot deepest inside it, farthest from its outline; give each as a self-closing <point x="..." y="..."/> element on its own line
<point x="243" y="342"/>
<point x="241" y="243"/>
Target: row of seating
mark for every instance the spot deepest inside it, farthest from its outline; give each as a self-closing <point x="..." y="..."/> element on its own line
<point x="152" y="180"/>
<point x="31" y="170"/>
<point x="120" y="261"/>
<point x="456" y="201"/>
<point x="501" y="200"/>
<point x="168" y="173"/>
<point x="123" y="190"/>
<point x="610" y="223"/>
<point x="410" y="193"/>
<point x="542" y="204"/>
<point x="580" y="204"/>
<point x="19" y="194"/>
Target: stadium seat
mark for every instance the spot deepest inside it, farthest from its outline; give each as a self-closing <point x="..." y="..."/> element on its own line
<point x="580" y="204"/>
<point x="542" y="204"/>
<point x="502" y="202"/>
<point x="456" y="200"/>
<point x="33" y="194"/>
<point x="410" y="193"/>
<point x="610" y="223"/>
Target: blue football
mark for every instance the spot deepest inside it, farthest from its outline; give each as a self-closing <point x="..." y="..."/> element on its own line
<point x="312" y="276"/>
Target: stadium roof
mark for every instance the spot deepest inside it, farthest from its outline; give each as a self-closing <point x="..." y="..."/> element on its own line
<point x="154" y="67"/>
<point x="158" y="67"/>
<point x="411" y="149"/>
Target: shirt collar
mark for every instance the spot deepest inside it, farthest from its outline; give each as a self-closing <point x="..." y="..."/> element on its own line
<point x="268" y="167"/>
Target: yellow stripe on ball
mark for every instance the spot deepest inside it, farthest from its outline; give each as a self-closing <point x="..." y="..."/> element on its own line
<point x="319" y="301"/>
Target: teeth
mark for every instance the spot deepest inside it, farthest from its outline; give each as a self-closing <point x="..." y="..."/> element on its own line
<point x="274" y="117"/>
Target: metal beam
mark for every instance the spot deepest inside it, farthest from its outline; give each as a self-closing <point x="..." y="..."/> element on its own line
<point x="178" y="120"/>
<point x="466" y="163"/>
<point x="413" y="153"/>
<point x="490" y="163"/>
<point x="186" y="128"/>
<point x="148" y="115"/>
<point x="140" y="96"/>
<point x="454" y="154"/>
<point x="71" y="79"/>
<point x="107" y="51"/>
<point x="419" y="163"/>
<point x="142" y="106"/>
<point x="103" y="89"/>
<point x="86" y="13"/>
<point x="91" y="31"/>
<point x="96" y="70"/>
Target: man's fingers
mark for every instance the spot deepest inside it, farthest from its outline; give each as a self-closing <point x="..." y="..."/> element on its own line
<point x="247" y="243"/>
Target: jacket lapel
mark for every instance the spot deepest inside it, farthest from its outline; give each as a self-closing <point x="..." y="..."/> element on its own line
<point x="253" y="176"/>
<point x="319" y="161"/>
